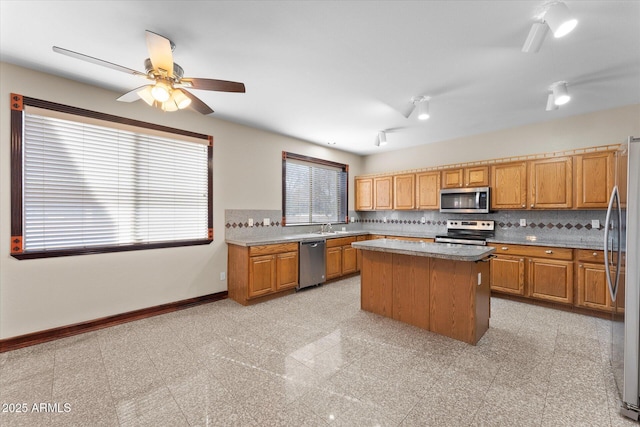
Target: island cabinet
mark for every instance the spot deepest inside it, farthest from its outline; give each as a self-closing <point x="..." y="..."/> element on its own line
<point x="364" y="194"/>
<point x="509" y="186"/>
<point x="591" y="282"/>
<point x="428" y="190"/>
<point x="594" y="179"/>
<point x="359" y="251"/>
<point x="551" y="183"/>
<point x="538" y="272"/>
<point x="437" y="291"/>
<point x="341" y="257"/>
<point x="475" y="176"/>
<point x="261" y="271"/>
<point x="404" y="191"/>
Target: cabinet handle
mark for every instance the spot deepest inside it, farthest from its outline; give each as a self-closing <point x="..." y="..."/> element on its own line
<point x="595" y="254"/>
<point x="531" y="204"/>
<point x="524" y="206"/>
<point x="581" y="266"/>
<point x="504" y="248"/>
<point x="521" y="259"/>
<point x="548" y="252"/>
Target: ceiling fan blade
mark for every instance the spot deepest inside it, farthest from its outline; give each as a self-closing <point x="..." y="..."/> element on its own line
<point x="212" y="84"/>
<point x="197" y="104"/>
<point x="160" y="52"/>
<point x="97" y="61"/>
<point x="132" y="95"/>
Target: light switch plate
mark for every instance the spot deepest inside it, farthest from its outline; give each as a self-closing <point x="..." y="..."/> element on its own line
<point x="595" y="223"/>
<point x="267" y="222"/>
<point x="523" y="222"/>
<point x="223" y="275"/>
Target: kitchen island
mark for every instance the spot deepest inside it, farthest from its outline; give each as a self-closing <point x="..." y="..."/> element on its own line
<point x="440" y="287"/>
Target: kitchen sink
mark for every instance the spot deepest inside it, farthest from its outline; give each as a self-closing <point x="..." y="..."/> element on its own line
<point x="329" y="233"/>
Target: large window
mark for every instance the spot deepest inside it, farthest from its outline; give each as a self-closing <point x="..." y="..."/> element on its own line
<point x="84" y="182"/>
<point x="314" y="191"/>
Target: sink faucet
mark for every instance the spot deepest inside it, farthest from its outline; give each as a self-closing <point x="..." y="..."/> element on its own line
<point x="325" y="228"/>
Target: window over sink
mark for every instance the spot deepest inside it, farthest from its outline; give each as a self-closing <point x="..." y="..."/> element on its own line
<point x="314" y="191"/>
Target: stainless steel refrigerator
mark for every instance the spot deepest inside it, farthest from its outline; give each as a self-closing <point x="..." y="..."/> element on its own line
<point x="622" y="266"/>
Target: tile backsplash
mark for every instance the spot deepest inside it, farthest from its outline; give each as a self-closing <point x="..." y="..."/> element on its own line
<point x="567" y="225"/>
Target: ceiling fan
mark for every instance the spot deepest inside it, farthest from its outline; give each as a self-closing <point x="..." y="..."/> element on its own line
<point x="167" y="90"/>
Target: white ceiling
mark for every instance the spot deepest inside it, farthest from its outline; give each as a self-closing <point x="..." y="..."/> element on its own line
<point x="340" y="71"/>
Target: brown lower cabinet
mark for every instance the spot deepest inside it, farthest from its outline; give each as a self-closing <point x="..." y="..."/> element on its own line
<point x="341" y="257"/>
<point x="538" y="272"/>
<point x="261" y="271"/>
<point x="591" y="282"/>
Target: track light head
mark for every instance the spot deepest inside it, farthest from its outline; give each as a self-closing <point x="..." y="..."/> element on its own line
<point x="560" y="93"/>
<point x="551" y="102"/>
<point x="382" y="138"/>
<point x="559" y="19"/>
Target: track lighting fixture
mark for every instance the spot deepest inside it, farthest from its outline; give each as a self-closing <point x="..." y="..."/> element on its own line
<point x="551" y="102"/>
<point x="560" y="93"/>
<point x="382" y="138"/>
<point x="558" y="18"/>
<point x="421" y="103"/>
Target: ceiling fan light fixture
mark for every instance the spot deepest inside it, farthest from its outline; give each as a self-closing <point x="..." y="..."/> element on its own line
<point x="181" y="100"/>
<point x="559" y="19"/>
<point x="560" y="93"/>
<point x="161" y="91"/>
<point x="146" y="96"/>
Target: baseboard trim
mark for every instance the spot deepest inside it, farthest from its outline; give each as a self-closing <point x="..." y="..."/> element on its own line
<point x="34" y="338"/>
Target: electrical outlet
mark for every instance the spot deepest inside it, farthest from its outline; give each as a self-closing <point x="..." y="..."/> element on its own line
<point x="479" y="279"/>
<point x="423" y="220"/>
<point x="523" y="222"/>
<point x="353" y="219"/>
<point x="223" y="275"/>
<point x="595" y="224"/>
<point x="267" y="222"/>
<point x="250" y="222"/>
<point x="384" y="219"/>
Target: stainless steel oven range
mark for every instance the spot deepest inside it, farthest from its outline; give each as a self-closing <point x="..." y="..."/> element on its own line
<point x="468" y="232"/>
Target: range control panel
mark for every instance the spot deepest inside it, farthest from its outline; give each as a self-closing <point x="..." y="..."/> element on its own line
<point x="465" y="224"/>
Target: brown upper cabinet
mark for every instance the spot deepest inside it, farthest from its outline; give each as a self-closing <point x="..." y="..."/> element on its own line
<point x="509" y="186"/>
<point x="383" y="193"/>
<point x="404" y="191"/>
<point x="551" y="183"/>
<point x="476" y="176"/>
<point x="364" y="194"/>
<point x="594" y="175"/>
<point x="428" y="190"/>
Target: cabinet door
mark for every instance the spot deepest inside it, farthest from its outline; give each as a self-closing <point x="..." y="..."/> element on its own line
<point x="507" y="274"/>
<point x="287" y="270"/>
<point x="452" y="178"/>
<point x="262" y="275"/>
<point x="382" y="193"/>
<point x="550" y="183"/>
<point x="349" y="260"/>
<point x="509" y="186"/>
<point x="359" y="252"/>
<point x="428" y="190"/>
<point x="364" y="194"/>
<point x="333" y="262"/>
<point x="476" y="176"/>
<point x="592" y="287"/>
<point x="594" y="179"/>
<point x="404" y="192"/>
<point x="551" y="280"/>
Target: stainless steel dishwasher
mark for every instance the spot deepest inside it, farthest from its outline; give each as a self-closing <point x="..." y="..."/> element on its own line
<point x="312" y="263"/>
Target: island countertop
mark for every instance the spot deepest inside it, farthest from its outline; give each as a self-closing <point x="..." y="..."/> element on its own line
<point x="433" y="250"/>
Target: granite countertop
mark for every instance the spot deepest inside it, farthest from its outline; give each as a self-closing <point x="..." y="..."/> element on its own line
<point x="432" y="250"/>
<point x="560" y="242"/>
<point x="292" y="238"/>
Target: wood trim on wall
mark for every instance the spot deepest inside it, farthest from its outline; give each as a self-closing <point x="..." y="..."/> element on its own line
<point x="34" y="338"/>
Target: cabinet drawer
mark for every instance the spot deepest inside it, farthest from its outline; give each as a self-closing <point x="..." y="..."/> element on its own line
<point x="340" y="241"/>
<point x="272" y="249"/>
<point x="590" y="256"/>
<point x="535" y="251"/>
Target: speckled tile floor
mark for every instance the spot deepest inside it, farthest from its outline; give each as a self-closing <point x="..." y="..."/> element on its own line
<point x="315" y="359"/>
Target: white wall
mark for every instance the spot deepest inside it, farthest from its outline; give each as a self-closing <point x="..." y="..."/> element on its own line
<point x="588" y="130"/>
<point x="45" y="293"/>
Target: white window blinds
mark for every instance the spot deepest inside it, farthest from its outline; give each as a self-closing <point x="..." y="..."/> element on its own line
<point x="86" y="186"/>
<point x="314" y="193"/>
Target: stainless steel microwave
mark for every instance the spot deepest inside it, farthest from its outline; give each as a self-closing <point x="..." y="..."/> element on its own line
<point x="465" y="200"/>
